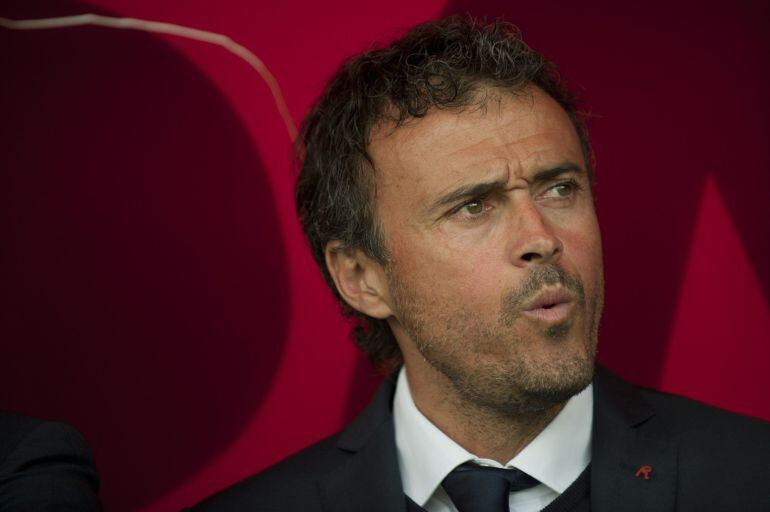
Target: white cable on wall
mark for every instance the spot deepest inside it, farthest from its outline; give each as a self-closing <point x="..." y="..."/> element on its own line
<point x="172" y="29"/>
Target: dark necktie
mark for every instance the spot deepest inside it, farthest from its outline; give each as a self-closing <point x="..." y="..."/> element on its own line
<point x="474" y="488"/>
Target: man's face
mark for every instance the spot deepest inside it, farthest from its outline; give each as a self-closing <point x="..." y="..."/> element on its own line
<point x="495" y="278"/>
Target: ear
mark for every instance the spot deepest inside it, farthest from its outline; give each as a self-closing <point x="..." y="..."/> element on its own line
<point x="360" y="280"/>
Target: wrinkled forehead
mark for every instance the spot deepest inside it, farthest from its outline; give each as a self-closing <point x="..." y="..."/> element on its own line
<point x="519" y="131"/>
<point x="479" y="97"/>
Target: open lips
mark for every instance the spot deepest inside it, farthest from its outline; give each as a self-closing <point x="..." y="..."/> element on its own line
<point x="550" y="305"/>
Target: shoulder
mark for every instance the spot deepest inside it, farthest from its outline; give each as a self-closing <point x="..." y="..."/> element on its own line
<point x="695" y="420"/>
<point x="721" y="456"/>
<point x="45" y="463"/>
<point x="296" y="482"/>
<point x="715" y="459"/>
<point x="291" y="484"/>
<point x="688" y="422"/>
<point x="704" y="431"/>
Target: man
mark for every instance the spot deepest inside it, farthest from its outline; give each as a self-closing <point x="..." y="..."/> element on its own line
<point x="446" y="192"/>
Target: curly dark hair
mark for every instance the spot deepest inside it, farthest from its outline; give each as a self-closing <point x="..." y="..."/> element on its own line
<point x="436" y="65"/>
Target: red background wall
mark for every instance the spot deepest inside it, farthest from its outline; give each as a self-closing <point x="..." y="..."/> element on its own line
<point x="156" y="289"/>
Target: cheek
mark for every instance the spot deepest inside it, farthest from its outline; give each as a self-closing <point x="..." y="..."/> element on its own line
<point x="448" y="276"/>
<point x="583" y="249"/>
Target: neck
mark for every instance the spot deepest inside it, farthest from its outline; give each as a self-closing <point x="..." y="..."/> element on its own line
<point x="482" y="431"/>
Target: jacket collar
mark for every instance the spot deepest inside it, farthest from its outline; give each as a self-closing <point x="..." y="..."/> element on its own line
<point x="369" y="479"/>
<point x="627" y="436"/>
<point x="627" y="440"/>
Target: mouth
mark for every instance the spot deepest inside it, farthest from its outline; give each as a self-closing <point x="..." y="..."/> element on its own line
<point x="551" y="305"/>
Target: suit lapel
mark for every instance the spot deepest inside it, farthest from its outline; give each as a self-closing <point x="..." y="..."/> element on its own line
<point x="626" y="437"/>
<point x="633" y="461"/>
<point x="370" y="479"/>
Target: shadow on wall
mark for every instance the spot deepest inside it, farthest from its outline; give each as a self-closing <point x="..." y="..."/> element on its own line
<point x="144" y="295"/>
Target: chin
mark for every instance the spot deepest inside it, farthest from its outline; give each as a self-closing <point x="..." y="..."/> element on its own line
<point x="524" y="384"/>
<point x="555" y="382"/>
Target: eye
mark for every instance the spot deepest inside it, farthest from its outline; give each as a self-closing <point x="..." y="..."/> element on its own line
<point x="473" y="208"/>
<point x="563" y="189"/>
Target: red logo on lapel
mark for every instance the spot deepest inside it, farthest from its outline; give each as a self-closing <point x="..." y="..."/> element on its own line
<point x="644" y="471"/>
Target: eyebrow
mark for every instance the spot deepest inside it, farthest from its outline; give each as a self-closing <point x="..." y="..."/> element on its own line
<point x="481" y="189"/>
<point x="555" y="172"/>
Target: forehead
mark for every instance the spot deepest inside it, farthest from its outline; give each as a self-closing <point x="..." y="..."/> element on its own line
<point x="515" y="134"/>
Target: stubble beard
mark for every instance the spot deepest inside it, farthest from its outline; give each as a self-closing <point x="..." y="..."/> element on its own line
<point x="458" y="344"/>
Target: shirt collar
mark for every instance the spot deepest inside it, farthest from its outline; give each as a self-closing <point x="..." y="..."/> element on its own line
<point x="426" y="455"/>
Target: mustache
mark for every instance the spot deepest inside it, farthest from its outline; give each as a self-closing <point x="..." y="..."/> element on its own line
<point x="539" y="277"/>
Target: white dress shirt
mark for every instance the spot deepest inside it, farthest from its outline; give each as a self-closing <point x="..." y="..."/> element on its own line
<point x="556" y="457"/>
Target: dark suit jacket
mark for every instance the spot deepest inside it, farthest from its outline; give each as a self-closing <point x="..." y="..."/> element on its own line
<point x="45" y="466"/>
<point x="702" y="459"/>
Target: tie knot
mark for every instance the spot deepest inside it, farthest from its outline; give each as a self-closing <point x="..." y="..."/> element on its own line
<point x="474" y="488"/>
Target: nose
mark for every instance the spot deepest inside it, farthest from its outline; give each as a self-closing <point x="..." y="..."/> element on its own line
<point x="534" y="240"/>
